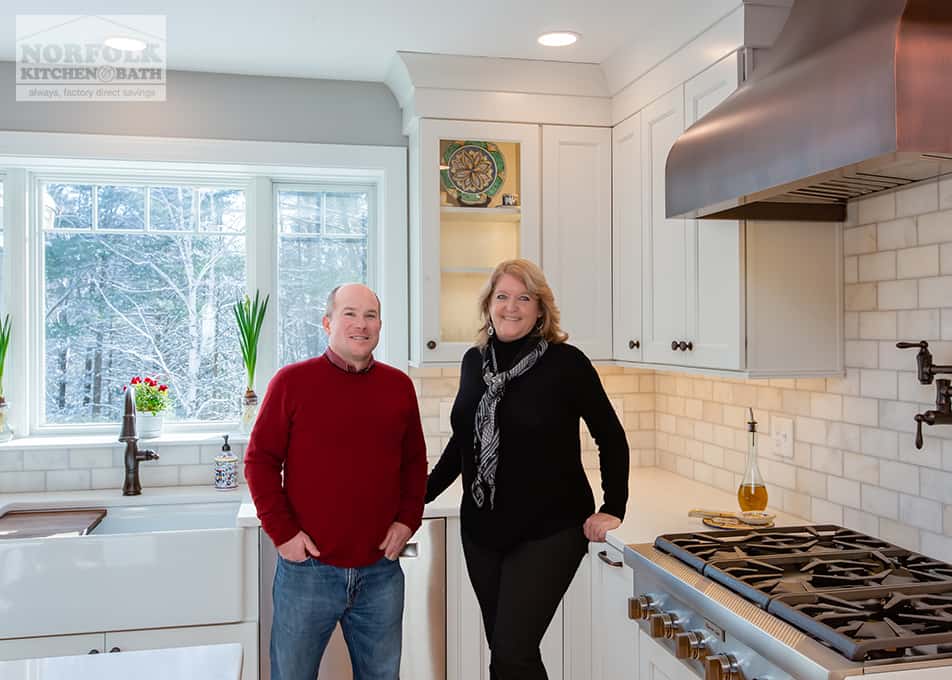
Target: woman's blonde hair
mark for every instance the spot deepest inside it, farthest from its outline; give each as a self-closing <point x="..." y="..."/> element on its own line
<point x="534" y="280"/>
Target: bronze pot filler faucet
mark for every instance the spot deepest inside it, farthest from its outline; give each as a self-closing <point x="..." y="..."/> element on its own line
<point x="942" y="415"/>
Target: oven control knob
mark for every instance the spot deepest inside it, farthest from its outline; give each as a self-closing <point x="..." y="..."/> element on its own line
<point x="690" y="645"/>
<point x="663" y="625"/>
<point x="641" y="607"/>
<point x="722" y="667"/>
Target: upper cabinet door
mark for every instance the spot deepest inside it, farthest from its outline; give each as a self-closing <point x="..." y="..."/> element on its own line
<point x="664" y="250"/>
<point x="715" y="271"/>
<point x="461" y="229"/>
<point x="626" y="239"/>
<point x="577" y="232"/>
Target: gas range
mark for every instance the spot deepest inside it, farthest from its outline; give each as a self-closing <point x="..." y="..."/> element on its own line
<point x="793" y="603"/>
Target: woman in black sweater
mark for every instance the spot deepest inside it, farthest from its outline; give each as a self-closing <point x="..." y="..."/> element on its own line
<point x="528" y="511"/>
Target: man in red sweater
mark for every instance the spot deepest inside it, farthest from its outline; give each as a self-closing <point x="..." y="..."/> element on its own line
<point x="345" y="430"/>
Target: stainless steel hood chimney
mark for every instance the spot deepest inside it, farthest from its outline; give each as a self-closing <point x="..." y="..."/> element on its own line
<point x="854" y="98"/>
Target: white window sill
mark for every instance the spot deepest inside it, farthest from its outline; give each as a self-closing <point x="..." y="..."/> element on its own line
<point x="99" y="440"/>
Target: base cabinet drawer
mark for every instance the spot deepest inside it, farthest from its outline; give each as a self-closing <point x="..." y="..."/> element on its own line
<point x="60" y="645"/>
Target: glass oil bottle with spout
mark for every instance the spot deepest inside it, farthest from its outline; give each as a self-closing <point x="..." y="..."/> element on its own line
<point x="752" y="494"/>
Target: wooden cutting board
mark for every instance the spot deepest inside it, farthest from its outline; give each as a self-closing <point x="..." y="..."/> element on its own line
<point x="43" y="523"/>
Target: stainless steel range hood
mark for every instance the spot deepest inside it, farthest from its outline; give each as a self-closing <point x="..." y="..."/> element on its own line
<point x="854" y="98"/>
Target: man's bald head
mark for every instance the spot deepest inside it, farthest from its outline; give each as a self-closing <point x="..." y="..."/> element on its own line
<point x="347" y="288"/>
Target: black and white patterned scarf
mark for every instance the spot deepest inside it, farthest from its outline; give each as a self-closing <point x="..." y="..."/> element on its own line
<point x="486" y="442"/>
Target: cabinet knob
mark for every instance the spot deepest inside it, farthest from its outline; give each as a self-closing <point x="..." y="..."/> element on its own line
<point x="722" y="667"/>
<point x="663" y="625"/>
<point x="690" y="645"/>
<point x="431" y="344"/>
<point x="114" y="650"/>
<point x="685" y="346"/>
<point x="634" y="344"/>
<point x="93" y="651"/>
<point x="640" y="607"/>
<point x="674" y="345"/>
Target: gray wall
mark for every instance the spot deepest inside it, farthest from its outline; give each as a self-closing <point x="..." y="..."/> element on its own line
<point x="221" y="106"/>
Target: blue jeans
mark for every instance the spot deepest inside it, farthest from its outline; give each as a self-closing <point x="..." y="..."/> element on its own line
<point x="310" y="597"/>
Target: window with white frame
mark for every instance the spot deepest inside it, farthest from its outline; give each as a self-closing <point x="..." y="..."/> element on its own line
<point x="2" y="263"/>
<point x="323" y="241"/>
<point x="139" y="279"/>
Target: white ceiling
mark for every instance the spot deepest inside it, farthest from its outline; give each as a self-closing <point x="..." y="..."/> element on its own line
<point x="357" y="39"/>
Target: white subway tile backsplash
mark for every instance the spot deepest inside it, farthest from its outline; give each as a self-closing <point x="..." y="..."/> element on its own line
<point x="859" y="240"/>
<point x="11" y="461"/>
<point x="936" y="545"/>
<point x="898" y="534"/>
<point x="847" y="385"/>
<point x="90" y="458"/>
<point x="843" y="491"/>
<point x="861" y="411"/>
<point x="860" y="467"/>
<point x="898" y="415"/>
<point x="913" y="263"/>
<point x="823" y="459"/>
<point x="902" y="294"/>
<point x="21" y="482"/>
<point x="860" y="354"/>
<point x="826" y="406"/>
<point x="67" y="480"/>
<point x="879" y="266"/>
<point x="107" y="478"/>
<point x="916" y="200"/>
<point x="879" y="208"/>
<point x="877" y="325"/>
<point x="55" y="459"/>
<point x="945" y="258"/>
<point x="879" y="443"/>
<point x="897" y="234"/>
<point x="861" y="297"/>
<point x="810" y="430"/>
<point x="935" y="292"/>
<point x="851" y="269"/>
<point x="843" y="436"/>
<point x="851" y="325"/>
<point x="811" y="482"/>
<point x="935" y="485"/>
<point x="919" y="324"/>
<point x="825" y="512"/>
<point x="935" y="227"/>
<point x="879" y="501"/>
<point x="920" y="512"/>
<point x="899" y="476"/>
<point x="878" y="384"/>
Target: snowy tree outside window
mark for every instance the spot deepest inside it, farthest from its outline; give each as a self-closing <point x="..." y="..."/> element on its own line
<point x="322" y="243"/>
<point x="139" y="280"/>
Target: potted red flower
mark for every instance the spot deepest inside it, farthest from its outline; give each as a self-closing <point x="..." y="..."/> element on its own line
<point x="152" y="400"/>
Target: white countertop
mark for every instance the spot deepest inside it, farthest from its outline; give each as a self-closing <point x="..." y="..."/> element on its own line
<point x="658" y="502"/>
<point x="211" y="662"/>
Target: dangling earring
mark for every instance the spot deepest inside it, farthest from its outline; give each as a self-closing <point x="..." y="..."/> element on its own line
<point x="539" y="325"/>
<point x="490" y="331"/>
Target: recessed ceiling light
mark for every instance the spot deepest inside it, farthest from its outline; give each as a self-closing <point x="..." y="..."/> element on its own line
<point x="124" y="44"/>
<point x="558" y="38"/>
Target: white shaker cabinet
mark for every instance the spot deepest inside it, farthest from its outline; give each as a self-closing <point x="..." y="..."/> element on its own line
<point x="664" y="240"/>
<point x="59" y="645"/>
<point x="614" y="635"/>
<point x="761" y="298"/>
<point x="577" y="232"/>
<point x="455" y="245"/>
<point x="627" y="240"/>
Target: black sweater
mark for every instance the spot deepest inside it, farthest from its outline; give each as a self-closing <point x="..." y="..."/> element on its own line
<point x="541" y="487"/>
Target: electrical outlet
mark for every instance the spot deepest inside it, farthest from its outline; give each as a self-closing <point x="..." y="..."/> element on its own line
<point x="782" y="435"/>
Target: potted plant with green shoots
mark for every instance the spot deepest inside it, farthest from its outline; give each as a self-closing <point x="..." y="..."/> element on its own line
<point x="250" y="316"/>
<point x="6" y="434"/>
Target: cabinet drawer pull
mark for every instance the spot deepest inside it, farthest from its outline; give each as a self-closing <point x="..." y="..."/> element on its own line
<point x="114" y="650"/>
<point x="93" y="651"/>
<point x="603" y="556"/>
<point x="431" y="344"/>
<point x="410" y="550"/>
<point x="634" y="344"/>
<point x="674" y="345"/>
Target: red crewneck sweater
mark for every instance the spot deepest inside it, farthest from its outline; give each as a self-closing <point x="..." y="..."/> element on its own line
<point x="354" y="460"/>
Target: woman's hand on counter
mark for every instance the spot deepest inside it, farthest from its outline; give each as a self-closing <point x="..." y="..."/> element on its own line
<point x="600" y="524"/>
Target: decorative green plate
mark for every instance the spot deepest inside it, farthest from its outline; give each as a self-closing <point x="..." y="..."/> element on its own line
<point x="474" y="172"/>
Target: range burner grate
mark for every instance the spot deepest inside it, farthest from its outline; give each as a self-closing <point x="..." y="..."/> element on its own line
<point x="761" y="579"/>
<point x="700" y="548"/>
<point x="869" y="624"/>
